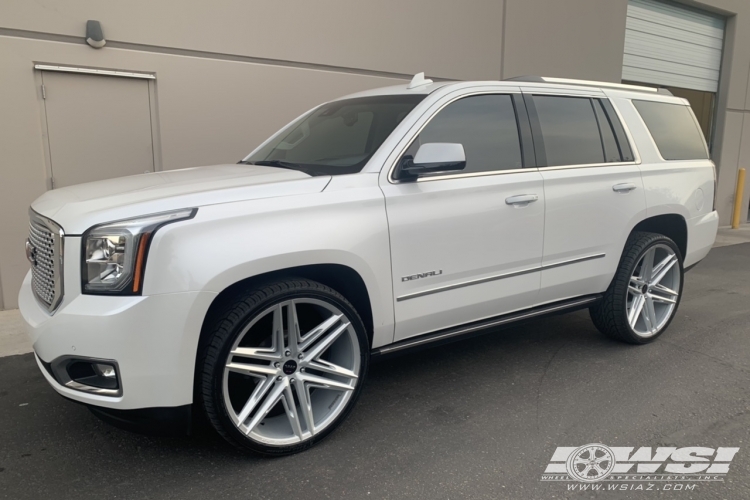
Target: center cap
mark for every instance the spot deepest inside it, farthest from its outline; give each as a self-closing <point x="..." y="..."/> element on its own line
<point x="290" y="367"/>
<point x="644" y="289"/>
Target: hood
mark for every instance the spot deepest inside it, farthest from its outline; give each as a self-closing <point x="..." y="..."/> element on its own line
<point x="76" y="208"/>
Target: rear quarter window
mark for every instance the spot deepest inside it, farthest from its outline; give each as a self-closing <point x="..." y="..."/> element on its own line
<point x="674" y="129"/>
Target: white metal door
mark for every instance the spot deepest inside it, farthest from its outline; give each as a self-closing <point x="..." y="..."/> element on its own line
<point x="464" y="232"/>
<point x="671" y="45"/>
<point x="98" y="127"/>
<point x="590" y="212"/>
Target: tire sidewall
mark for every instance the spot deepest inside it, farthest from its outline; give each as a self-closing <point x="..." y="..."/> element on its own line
<point x="217" y="373"/>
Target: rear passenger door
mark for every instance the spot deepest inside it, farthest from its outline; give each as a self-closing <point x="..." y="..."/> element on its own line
<point x="592" y="187"/>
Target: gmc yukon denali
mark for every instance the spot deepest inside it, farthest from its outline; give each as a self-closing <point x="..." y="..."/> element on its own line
<point x="258" y="292"/>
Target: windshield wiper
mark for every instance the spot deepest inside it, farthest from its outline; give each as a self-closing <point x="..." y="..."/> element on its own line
<point x="275" y="163"/>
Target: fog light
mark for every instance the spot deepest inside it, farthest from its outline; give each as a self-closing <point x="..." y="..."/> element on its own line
<point x="106" y="371"/>
<point x="95" y="376"/>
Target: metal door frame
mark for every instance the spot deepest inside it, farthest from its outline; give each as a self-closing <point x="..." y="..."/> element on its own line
<point x="39" y="68"/>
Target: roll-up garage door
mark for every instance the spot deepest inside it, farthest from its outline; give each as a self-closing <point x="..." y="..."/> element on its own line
<point x="674" y="46"/>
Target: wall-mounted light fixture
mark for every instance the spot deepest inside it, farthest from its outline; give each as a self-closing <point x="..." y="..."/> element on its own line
<point x="94" y="34"/>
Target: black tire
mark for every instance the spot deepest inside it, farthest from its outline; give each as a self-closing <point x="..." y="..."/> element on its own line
<point x="610" y="314"/>
<point x="225" y="329"/>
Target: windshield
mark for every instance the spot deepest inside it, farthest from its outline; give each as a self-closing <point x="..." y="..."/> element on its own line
<point x="338" y="137"/>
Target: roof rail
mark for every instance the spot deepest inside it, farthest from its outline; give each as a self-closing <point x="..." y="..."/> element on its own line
<point x="589" y="83"/>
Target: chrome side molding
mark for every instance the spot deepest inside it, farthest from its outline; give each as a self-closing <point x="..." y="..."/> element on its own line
<point x="496" y="277"/>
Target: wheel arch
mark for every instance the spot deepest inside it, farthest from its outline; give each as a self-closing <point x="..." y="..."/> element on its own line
<point x="341" y="278"/>
<point x="673" y="226"/>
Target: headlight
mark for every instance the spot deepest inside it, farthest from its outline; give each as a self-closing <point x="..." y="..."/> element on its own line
<point x="114" y="254"/>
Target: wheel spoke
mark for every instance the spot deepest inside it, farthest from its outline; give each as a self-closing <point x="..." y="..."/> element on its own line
<point x="647" y="264"/>
<point x="328" y="367"/>
<point x="323" y="382"/>
<point x="662" y="289"/>
<point x="271" y="401"/>
<point x="635" y="310"/>
<point x="305" y="405"/>
<point x="292" y="322"/>
<point x="659" y="298"/>
<point x="291" y="412"/>
<point x="260" y="390"/>
<point x="635" y="291"/>
<point x="317" y="332"/>
<point x="256" y="353"/>
<point x="659" y="275"/>
<point x="278" y="328"/>
<point x="249" y="369"/>
<point x="649" y="314"/>
<point x="326" y="342"/>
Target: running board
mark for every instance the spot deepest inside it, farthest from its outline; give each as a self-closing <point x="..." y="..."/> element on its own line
<point x="480" y="327"/>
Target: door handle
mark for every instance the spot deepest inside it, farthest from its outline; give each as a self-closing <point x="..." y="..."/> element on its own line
<point x="521" y="200"/>
<point x="625" y="187"/>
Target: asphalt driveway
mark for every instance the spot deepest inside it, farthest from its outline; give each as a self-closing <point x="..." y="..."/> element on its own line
<point x="475" y="419"/>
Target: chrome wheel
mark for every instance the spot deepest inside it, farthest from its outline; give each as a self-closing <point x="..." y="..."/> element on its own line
<point x="291" y="371"/>
<point x="653" y="290"/>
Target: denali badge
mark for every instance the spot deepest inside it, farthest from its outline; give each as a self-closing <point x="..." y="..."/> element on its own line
<point x="30" y="253"/>
<point x="422" y="275"/>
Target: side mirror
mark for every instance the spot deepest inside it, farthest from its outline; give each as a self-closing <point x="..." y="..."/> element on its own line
<point x="431" y="158"/>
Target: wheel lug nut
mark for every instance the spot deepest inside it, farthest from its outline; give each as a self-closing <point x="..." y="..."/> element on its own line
<point x="302" y="369"/>
<point x="292" y="381"/>
<point x="287" y="353"/>
<point x="300" y="356"/>
<point x="278" y="378"/>
<point x="277" y="364"/>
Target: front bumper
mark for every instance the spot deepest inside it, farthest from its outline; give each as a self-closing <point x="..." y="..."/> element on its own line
<point x="153" y="339"/>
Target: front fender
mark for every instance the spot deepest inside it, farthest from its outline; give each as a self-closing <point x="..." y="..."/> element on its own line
<point x="227" y="243"/>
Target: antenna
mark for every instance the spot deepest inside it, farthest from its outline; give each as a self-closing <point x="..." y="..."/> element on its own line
<point x="418" y="81"/>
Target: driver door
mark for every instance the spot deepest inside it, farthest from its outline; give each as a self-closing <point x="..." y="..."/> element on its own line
<point x="464" y="245"/>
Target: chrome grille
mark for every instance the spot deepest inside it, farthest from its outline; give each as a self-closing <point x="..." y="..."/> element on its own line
<point x="45" y="254"/>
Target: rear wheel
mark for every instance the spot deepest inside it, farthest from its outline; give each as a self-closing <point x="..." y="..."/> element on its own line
<point x="284" y="367"/>
<point x="645" y="292"/>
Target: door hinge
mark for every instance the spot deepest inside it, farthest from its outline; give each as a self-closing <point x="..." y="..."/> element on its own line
<point x="44" y="92"/>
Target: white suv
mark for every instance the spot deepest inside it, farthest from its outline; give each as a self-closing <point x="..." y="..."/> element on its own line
<point x="382" y="221"/>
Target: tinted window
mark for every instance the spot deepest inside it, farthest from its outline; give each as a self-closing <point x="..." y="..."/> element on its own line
<point x="569" y="129"/>
<point x="485" y="125"/>
<point x="338" y="137"/>
<point x="674" y="130"/>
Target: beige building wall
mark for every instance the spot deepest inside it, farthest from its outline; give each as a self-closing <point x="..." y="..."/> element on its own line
<point x="230" y="72"/>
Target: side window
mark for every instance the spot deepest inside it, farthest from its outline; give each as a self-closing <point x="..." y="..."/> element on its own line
<point x="674" y="130"/>
<point x="485" y="125"/>
<point x="569" y="129"/>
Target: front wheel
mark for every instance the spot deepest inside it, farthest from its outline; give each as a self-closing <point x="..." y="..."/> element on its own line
<point x="645" y="292"/>
<point x="284" y="366"/>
